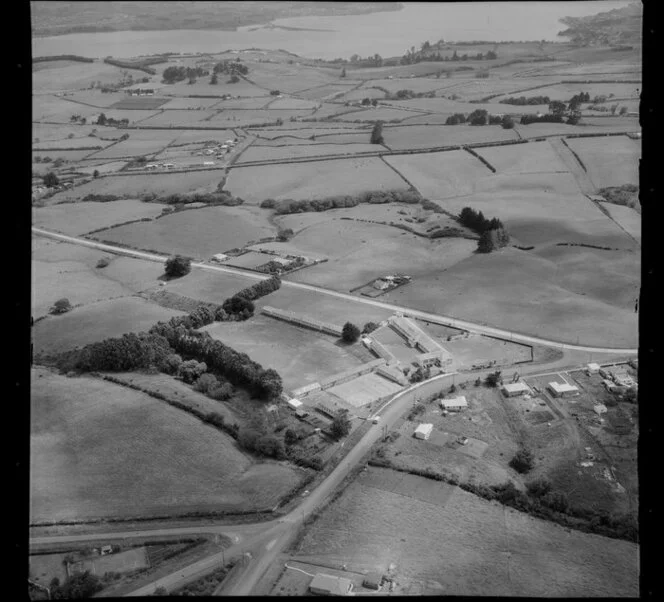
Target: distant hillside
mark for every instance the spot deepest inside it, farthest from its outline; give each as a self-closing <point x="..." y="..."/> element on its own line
<point x="616" y="27"/>
<point x="59" y="18"/>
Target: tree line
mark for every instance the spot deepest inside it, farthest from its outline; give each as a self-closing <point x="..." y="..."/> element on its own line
<point x="174" y="74"/>
<point x="425" y="53"/>
<point x="288" y="206"/>
<point x="480" y="117"/>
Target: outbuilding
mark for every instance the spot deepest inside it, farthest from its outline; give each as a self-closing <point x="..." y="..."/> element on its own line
<point x="373" y="580"/>
<point x="454" y="405"/>
<point x="592" y="368"/>
<point x="294" y="403"/>
<point x="515" y="389"/>
<point x="423" y="431"/>
<point x="330" y="585"/>
<point x="563" y="389"/>
<point x="600" y="409"/>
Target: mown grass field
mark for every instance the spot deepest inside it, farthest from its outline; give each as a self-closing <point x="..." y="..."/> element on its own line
<point x="198" y="233"/>
<point x="454" y="543"/>
<point x="300" y="355"/>
<point x="100" y="450"/>
<point x="312" y="180"/>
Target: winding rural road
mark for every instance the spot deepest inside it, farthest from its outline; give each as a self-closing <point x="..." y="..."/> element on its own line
<point x="435" y="318"/>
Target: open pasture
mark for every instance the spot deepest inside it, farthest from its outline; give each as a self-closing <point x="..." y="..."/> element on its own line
<point x="304" y="131"/>
<point x="359" y="253"/>
<point x="202" y="87"/>
<point x="422" y="136"/>
<point x="179" y="118"/>
<point x="146" y="103"/>
<point x="610" y="161"/>
<point x="290" y="78"/>
<point x="198" y="233"/>
<point x="74" y="76"/>
<point x="82" y="141"/>
<point x="522" y="292"/>
<point x="534" y="157"/>
<point x="293" y="103"/>
<point x="182" y="102"/>
<point x="443" y="540"/>
<point x="448" y="107"/>
<point x="132" y="147"/>
<point x="211" y="287"/>
<point x="80" y="218"/>
<point x="56" y="110"/>
<point x="626" y="217"/>
<point x="365" y="389"/>
<point x="300" y="355"/>
<point x="137" y="185"/>
<point x="61" y="270"/>
<point x="100" y="450"/>
<point x="344" y="140"/>
<point x="328" y="110"/>
<point x="133" y="115"/>
<point x="565" y="91"/>
<point x="48" y="133"/>
<point x="598" y="125"/>
<point x="251" y="102"/>
<point x="96" y="98"/>
<point x="361" y="93"/>
<point x="276" y="153"/>
<point x="324" y="92"/>
<point x="96" y="322"/>
<point x="416" y="84"/>
<point x="89" y="166"/>
<point x="240" y="117"/>
<point x="375" y="114"/>
<point x="312" y="180"/>
<point x="68" y="156"/>
<point x="443" y="174"/>
<point x="200" y="136"/>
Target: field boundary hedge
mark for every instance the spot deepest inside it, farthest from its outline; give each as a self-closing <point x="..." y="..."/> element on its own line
<point x="62" y="57"/>
<point x="482" y="159"/>
<point x="576" y="156"/>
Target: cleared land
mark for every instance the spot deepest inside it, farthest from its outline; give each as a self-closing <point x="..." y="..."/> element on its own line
<point x="197" y="233"/>
<point x="180" y="118"/>
<point x="626" y="217"/>
<point x="300" y="355"/>
<point x="446" y="541"/>
<point x="534" y="157"/>
<point x="266" y="153"/>
<point x="312" y="180"/>
<point x="421" y="136"/>
<point x="610" y="161"/>
<point x="100" y="450"/>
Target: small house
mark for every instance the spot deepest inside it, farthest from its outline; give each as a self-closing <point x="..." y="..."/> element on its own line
<point x="563" y="389"/>
<point x="515" y="389"/>
<point x="423" y="431"/>
<point x="329" y="585"/>
<point x="592" y="368"/>
<point x="454" y="405"/>
<point x="600" y="409"/>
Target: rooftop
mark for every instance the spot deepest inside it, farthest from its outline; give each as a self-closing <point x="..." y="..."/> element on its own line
<point x="339" y="586"/>
<point x="562" y="387"/>
<point x="512" y="387"/>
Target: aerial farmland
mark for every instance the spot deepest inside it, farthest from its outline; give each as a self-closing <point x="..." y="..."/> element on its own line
<point x="334" y="325"/>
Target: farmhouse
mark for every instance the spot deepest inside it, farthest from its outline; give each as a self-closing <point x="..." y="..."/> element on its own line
<point x="454" y="405"/>
<point x="563" y="389"/>
<point x="423" y="431"/>
<point x="515" y="389"/>
<point x="329" y="585"/>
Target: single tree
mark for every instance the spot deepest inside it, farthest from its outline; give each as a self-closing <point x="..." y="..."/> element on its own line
<point x="350" y="333"/>
<point x="377" y="133"/>
<point x="507" y="122"/>
<point x="623" y="110"/>
<point x="343" y="72"/>
<point x="522" y="461"/>
<point x="61" y="306"/>
<point x="290" y="437"/>
<point x="213" y="79"/>
<point x="177" y="266"/>
<point x="340" y="426"/>
<point x="95" y="173"/>
<point x="492" y="379"/>
<point x="557" y="107"/>
<point x="486" y="242"/>
<point x="51" y="180"/>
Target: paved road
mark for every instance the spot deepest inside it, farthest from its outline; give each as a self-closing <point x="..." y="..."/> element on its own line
<point x="436" y="318"/>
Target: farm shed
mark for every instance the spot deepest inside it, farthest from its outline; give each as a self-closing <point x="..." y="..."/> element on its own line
<point x="373" y="580"/>
<point x="454" y="405"/>
<point x="423" y="431"/>
<point x="329" y="585"/>
<point x="294" y="403"/>
<point x="563" y="389"/>
<point x="592" y="368"/>
<point x="515" y="389"/>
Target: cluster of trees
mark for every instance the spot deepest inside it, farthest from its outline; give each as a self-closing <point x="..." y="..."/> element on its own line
<point x="126" y="353"/>
<point x="288" y="206"/>
<point x="493" y="379"/>
<point x="177" y="266"/>
<point x="340" y="426"/>
<point x="227" y="67"/>
<point x="368" y="101"/>
<point x="523" y="101"/>
<point x="261" y="443"/>
<point x="103" y="120"/>
<point x="549" y="118"/>
<point x="523" y="461"/>
<point x="260" y="289"/>
<point x="78" y="119"/>
<point x="276" y="268"/>
<point x="377" y="133"/>
<point x="76" y="587"/>
<point x="426" y="53"/>
<point x="61" y="306"/>
<point x="492" y="231"/>
<point x="174" y="74"/>
<point x="455" y="119"/>
<point x="50" y="180"/>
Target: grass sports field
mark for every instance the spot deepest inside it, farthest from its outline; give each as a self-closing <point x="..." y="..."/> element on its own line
<point x="100" y="450"/>
<point x="442" y="540"/>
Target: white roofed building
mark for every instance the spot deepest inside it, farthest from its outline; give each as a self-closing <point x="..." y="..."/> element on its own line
<point x="423" y="431"/>
<point x="515" y="389"/>
<point x="454" y="405"/>
<point x="563" y="389"/>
